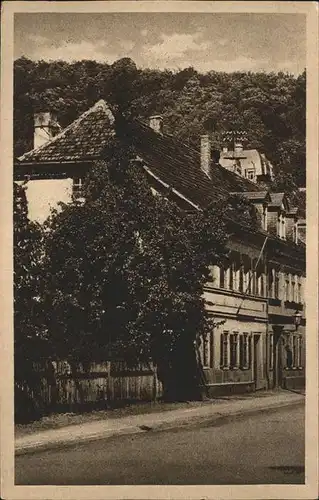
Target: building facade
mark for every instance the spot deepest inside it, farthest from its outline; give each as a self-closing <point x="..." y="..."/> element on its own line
<point x="256" y="298"/>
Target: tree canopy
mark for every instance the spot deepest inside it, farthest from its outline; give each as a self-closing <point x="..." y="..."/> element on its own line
<point x="125" y="273"/>
<point x="270" y="107"/>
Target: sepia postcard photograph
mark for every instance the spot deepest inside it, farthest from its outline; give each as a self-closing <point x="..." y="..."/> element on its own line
<point x="159" y="250"/>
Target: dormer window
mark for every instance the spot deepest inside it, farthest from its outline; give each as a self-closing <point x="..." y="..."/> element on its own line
<point x="281" y="226"/>
<point x="264" y="217"/>
<point x="77" y="187"/>
<point x="250" y="174"/>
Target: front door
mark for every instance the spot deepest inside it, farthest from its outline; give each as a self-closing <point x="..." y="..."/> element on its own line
<point x="257" y="365"/>
<point x="277" y="361"/>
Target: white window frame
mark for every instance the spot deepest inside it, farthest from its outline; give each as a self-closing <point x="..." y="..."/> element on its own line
<point x="294" y="282"/>
<point x="248" y="173"/>
<point x="283" y="226"/>
<point x="77" y="186"/>
<point x="265" y="217"/>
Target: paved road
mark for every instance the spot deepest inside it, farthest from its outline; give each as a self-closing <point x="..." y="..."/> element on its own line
<point x="265" y="448"/>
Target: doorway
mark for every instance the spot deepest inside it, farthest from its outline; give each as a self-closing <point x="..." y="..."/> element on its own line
<point x="257" y="364"/>
<point x="277" y="358"/>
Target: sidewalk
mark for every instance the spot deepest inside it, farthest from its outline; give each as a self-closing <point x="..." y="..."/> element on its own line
<point x="213" y="411"/>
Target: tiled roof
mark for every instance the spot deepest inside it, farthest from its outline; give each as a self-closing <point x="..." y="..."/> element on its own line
<point x="166" y="157"/>
<point x="84" y="139"/>
<point x="179" y="166"/>
<point x="277" y="199"/>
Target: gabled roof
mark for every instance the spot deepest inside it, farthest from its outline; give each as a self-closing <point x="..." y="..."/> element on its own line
<point x="279" y="199"/>
<point x="165" y="156"/>
<point x="249" y="159"/>
<point x="84" y="139"/>
<point x="173" y="162"/>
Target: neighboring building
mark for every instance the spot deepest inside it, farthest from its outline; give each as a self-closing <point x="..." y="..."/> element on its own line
<point x="248" y="163"/>
<point x="257" y="297"/>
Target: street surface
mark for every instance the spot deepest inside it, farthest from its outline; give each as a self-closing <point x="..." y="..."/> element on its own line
<point x="260" y="449"/>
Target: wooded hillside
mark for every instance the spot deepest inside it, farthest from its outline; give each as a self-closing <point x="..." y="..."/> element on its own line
<point x="270" y="107"/>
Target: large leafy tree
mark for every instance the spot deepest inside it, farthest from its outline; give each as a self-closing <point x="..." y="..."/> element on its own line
<point x="30" y="344"/>
<point x="126" y="273"/>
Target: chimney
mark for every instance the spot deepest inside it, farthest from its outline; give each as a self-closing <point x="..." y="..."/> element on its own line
<point x="156" y="123"/>
<point x="44" y="128"/>
<point x="238" y="147"/>
<point x="205" y="157"/>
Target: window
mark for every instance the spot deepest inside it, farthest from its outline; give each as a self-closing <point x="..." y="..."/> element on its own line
<point x="276" y="284"/>
<point x="243" y="351"/>
<point x="289" y="357"/>
<point x="250" y="174"/>
<point x="283" y="227"/>
<point x="262" y="285"/>
<point x="205" y="350"/>
<point x="295" y="352"/>
<point x="233" y="350"/>
<point x="300" y="351"/>
<point x="264" y="218"/>
<point x="231" y="277"/>
<point x="224" y="350"/>
<point x="287" y="288"/>
<point x="250" y="281"/>
<point x="77" y="186"/>
<point x="299" y="292"/>
<point x="222" y="277"/>
<point x="236" y="276"/>
<point x="241" y="284"/>
<point x="271" y="283"/>
<point x="279" y="225"/>
<point x="260" y="281"/>
<point x="293" y="291"/>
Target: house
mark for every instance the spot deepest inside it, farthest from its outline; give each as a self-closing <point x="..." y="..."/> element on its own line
<point x="248" y="163"/>
<point x="257" y="296"/>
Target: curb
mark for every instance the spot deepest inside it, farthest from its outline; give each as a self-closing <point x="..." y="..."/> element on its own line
<point x="216" y="418"/>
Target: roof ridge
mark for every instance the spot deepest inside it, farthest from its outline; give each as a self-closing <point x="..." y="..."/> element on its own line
<point x="195" y="151"/>
<point x="101" y="104"/>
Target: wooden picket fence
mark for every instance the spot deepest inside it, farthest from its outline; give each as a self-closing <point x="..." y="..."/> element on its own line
<point x="99" y="385"/>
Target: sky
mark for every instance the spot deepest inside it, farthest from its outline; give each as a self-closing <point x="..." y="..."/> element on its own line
<point x="206" y="41"/>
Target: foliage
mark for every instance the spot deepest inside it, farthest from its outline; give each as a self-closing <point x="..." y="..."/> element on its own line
<point x="242" y="211"/>
<point x="127" y="270"/>
<point x="270" y="107"/>
<point x="29" y="340"/>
